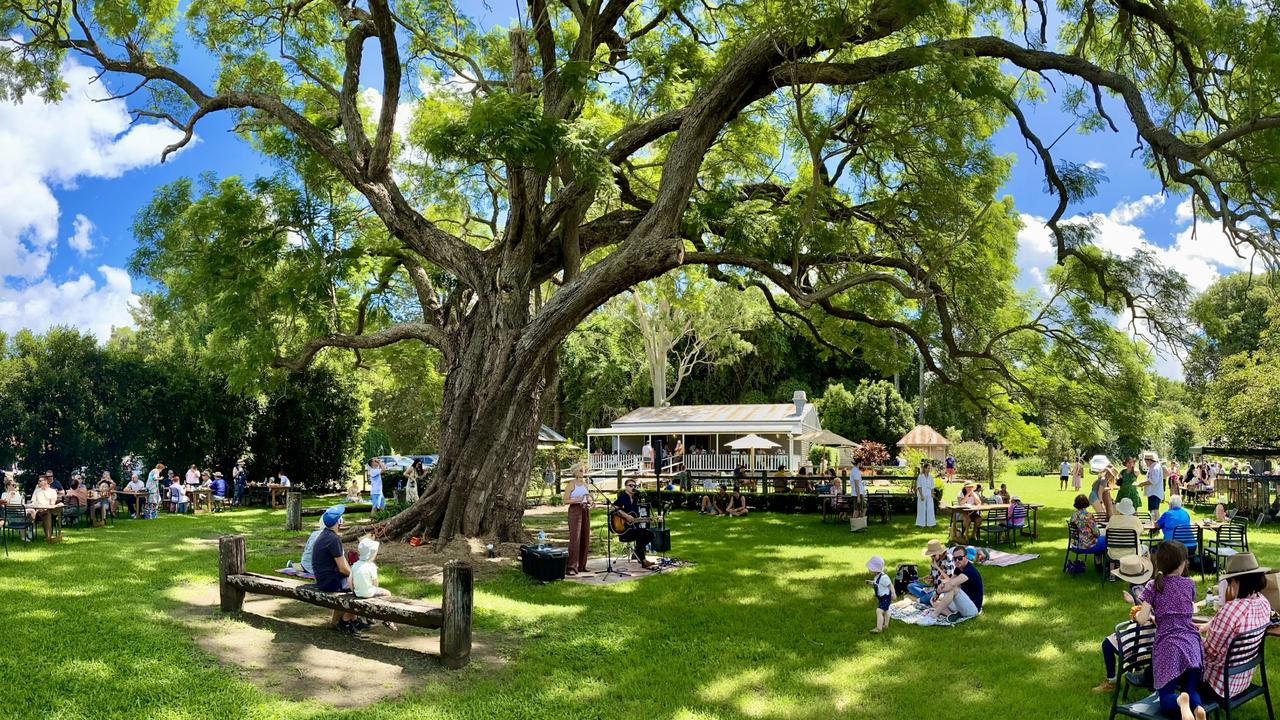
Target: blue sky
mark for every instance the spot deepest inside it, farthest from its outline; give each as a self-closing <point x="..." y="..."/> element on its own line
<point x="78" y="172"/>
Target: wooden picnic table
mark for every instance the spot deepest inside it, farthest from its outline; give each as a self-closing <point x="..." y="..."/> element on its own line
<point x="1032" y="513"/>
<point x="278" y="494"/>
<point x="139" y="499"/>
<point x="200" y="495"/>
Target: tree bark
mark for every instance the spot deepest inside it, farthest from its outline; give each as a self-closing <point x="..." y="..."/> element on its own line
<point x="488" y="431"/>
<point x="293" y="511"/>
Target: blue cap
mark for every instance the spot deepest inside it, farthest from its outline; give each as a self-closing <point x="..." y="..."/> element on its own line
<point x="971" y="552"/>
<point x="333" y="515"/>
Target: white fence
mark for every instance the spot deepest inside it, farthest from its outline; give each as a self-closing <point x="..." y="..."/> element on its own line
<point x="729" y="462"/>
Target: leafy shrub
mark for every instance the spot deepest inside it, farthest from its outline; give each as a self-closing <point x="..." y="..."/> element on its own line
<point x="870" y="453"/>
<point x="392" y="508"/>
<point x="1030" y="467"/>
<point x="971" y="461"/>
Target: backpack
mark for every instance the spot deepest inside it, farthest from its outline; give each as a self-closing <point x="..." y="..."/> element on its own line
<point x="905" y="575"/>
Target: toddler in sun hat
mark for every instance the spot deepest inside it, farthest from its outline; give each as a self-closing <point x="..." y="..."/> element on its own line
<point x="882" y="584"/>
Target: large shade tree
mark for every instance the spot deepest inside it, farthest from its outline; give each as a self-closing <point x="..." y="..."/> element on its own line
<point x="831" y="155"/>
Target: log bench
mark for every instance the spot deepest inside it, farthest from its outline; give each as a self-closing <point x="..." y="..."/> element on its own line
<point x="453" y="618"/>
<point x="351" y="507"/>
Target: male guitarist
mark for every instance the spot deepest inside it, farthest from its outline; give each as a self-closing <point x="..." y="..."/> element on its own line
<point x="626" y="508"/>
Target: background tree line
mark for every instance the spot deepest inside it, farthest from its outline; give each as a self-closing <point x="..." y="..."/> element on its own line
<point x="68" y="403"/>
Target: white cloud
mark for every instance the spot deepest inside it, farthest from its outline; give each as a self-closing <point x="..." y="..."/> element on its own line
<point x="1184" y="212"/>
<point x="82" y="240"/>
<point x="81" y="303"/>
<point x="1128" y="211"/>
<point x="1096" y="165"/>
<point x="47" y="146"/>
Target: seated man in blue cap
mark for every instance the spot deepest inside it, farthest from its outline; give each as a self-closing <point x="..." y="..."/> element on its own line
<point x="329" y="562"/>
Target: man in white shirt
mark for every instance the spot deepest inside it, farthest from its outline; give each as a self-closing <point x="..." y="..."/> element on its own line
<point x="43" y="501"/>
<point x="1155" y="486"/>
<point x="646" y="456"/>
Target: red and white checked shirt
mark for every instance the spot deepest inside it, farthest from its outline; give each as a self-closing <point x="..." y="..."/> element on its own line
<point x="1235" y="617"/>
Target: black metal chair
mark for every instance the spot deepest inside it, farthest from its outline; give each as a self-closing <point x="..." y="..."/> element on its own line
<point x="1232" y="538"/>
<point x="1073" y="548"/>
<point x="993" y="526"/>
<point x="1133" y="666"/>
<point x="72" y="511"/>
<point x="1244" y="654"/>
<point x="1186" y="535"/>
<point x="1118" y="539"/>
<point x="16" y="522"/>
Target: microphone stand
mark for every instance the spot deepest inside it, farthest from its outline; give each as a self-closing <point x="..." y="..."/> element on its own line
<point x="609" y="569"/>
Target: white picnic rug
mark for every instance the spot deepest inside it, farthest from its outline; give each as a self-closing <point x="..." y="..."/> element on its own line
<point x="1000" y="558"/>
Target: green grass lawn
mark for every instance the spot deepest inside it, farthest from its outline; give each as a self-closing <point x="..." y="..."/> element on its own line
<point x="771" y="622"/>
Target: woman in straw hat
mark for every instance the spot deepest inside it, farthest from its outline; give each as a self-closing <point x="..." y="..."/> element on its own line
<point x="1246" y="608"/>
<point x="941" y="567"/>
<point x="1134" y="570"/>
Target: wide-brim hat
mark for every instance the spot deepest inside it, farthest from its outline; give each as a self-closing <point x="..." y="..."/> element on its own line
<point x="875" y="564"/>
<point x="935" y="547"/>
<point x="1125" y="506"/>
<point x="1242" y="564"/>
<point x="1134" y="569"/>
<point x="218" y="474"/>
<point x="969" y="484"/>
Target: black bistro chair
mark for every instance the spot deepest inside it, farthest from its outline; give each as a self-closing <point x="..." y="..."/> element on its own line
<point x="15" y="522"/>
<point x="1117" y="538"/>
<point x="1133" y="669"/>
<point x="1244" y="654"/>
<point x="993" y="526"/>
<point x="1232" y="538"/>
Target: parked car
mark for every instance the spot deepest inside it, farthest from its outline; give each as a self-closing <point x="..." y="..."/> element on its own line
<point x="427" y="460"/>
<point x="1098" y="463"/>
<point x="395" y="462"/>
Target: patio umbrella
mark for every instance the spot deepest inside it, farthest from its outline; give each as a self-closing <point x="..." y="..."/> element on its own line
<point x="753" y="443"/>
<point x="828" y="438"/>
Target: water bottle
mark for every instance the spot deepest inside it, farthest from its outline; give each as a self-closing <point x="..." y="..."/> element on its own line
<point x="542" y="539"/>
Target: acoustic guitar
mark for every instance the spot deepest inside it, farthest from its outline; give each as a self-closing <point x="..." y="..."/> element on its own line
<point x="617" y="525"/>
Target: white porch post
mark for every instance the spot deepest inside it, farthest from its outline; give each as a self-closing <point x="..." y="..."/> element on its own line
<point x="791" y="448"/>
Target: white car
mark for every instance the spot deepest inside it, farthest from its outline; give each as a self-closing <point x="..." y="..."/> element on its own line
<point x="1098" y="463"/>
<point x="395" y="462"/>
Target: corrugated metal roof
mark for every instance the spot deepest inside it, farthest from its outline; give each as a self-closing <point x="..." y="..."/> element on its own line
<point x="923" y="436"/>
<point x="781" y="412"/>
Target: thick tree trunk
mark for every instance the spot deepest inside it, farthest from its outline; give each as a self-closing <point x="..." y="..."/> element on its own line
<point x="489" y="429"/>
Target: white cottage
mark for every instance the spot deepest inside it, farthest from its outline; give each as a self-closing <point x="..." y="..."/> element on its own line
<point x="703" y="432"/>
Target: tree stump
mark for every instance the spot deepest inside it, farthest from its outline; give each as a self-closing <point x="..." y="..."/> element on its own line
<point x="293" y="511"/>
<point x="455" y="631"/>
<point x="231" y="562"/>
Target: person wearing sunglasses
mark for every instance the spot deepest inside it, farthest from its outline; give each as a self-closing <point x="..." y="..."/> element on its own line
<point x="629" y="510"/>
<point x="960" y="594"/>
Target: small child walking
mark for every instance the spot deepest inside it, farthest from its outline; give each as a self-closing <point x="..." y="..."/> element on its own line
<point x="882" y="584"/>
<point x="153" y="497"/>
<point x="1177" y="655"/>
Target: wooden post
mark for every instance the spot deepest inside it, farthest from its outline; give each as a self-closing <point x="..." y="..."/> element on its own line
<point x="230" y="562"/>
<point x="455" y="631"/>
<point x="293" y="511"/>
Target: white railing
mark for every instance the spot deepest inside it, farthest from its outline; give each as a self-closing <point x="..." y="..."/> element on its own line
<point x="728" y="462"/>
<point x="626" y="463"/>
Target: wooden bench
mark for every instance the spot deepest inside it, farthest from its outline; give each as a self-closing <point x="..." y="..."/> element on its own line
<point x="453" y="618"/>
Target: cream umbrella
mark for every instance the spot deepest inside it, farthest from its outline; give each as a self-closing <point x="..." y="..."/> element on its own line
<point x="753" y="443"/>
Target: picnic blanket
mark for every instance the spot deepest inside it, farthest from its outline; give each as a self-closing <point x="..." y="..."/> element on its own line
<point x="911" y="612"/>
<point x="1000" y="558"/>
<point x="296" y="572"/>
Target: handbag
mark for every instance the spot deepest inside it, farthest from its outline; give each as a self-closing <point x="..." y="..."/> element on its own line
<point x="858" y="523"/>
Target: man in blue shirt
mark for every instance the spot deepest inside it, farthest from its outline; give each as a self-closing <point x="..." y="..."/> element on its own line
<point x="626" y="507"/>
<point x="218" y="488"/>
<point x="329" y="562"/>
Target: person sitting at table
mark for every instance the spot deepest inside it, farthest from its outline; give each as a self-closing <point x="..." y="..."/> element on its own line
<point x="76" y="499"/>
<point x="969" y="519"/>
<point x="1174" y="517"/>
<point x="106" y="500"/>
<point x="715" y="504"/>
<point x="218" y="489"/>
<point x="1017" y="516"/>
<point x="12" y="495"/>
<point x="1246" y="608"/>
<point x="737" y="503"/>
<point x="1089" y="538"/>
<point x="282" y="480"/>
<point x="1125" y="519"/>
<point x="1003" y="492"/>
<point x="134" y="502"/>
<point x="177" y="499"/>
<point x="780" y="479"/>
<point x="43" y="501"/>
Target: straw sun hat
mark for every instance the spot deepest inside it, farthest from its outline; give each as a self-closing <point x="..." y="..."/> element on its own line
<point x="934" y="548"/>
<point x="1134" y="569"/>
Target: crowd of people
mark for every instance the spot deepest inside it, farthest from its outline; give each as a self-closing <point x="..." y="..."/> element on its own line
<point x="50" y="500"/>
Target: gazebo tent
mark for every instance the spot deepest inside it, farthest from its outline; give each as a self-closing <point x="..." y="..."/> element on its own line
<point x="926" y="440"/>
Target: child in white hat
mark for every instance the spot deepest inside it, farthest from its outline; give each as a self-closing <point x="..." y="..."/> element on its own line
<point x="364" y="573"/>
<point x="884" y="590"/>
